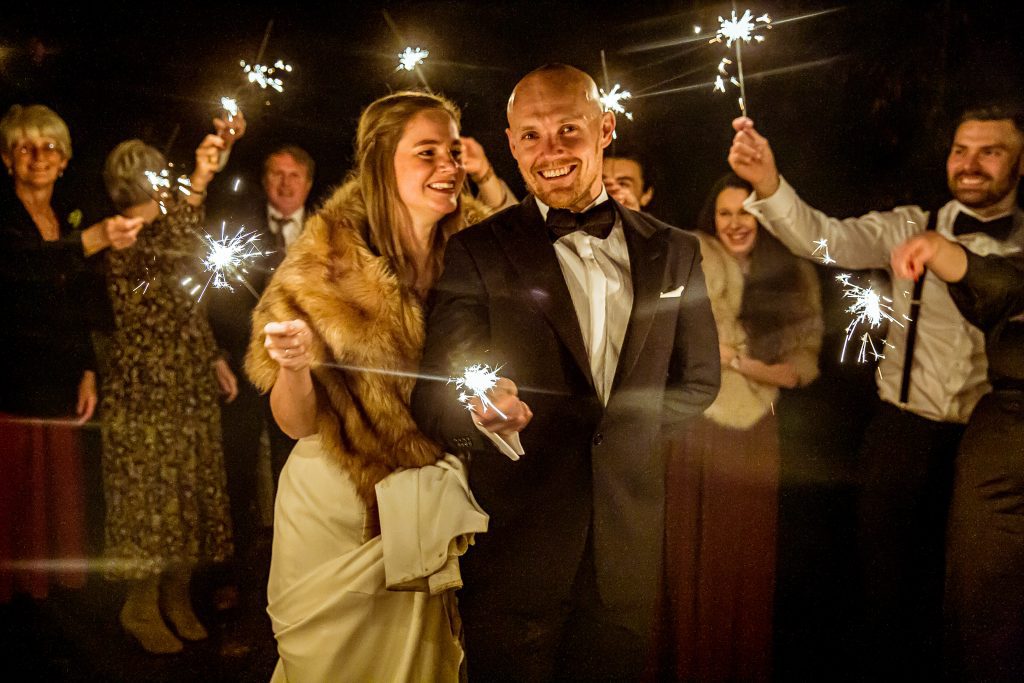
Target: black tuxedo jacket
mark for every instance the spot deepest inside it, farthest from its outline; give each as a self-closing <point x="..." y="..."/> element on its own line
<point x="588" y="468"/>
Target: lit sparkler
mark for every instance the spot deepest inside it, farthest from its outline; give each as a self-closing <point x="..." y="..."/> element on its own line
<point x="263" y="76"/>
<point x="821" y="247"/>
<point x="738" y="30"/>
<point x="411" y="58"/>
<point x="475" y="382"/>
<point x="612" y="101"/>
<point x="230" y="105"/>
<point x="227" y="258"/>
<point x="868" y="308"/>
<point x="164" y="185"/>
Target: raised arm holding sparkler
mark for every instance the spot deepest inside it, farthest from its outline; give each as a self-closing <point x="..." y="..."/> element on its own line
<point x="160" y="399"/>
<point x="933" y="371"/>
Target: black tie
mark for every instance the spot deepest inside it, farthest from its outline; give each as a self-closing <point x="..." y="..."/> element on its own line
<point x="597" y="221"/>
<point x="999" y="228"/>
<point x="280" y="222"/>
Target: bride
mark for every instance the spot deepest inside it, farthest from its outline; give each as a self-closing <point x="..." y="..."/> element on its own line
<point x="337" y="337"/>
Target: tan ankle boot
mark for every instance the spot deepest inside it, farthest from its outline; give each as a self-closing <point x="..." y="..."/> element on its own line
<point x="140" y="617"/>
<point x="176" y="603"/>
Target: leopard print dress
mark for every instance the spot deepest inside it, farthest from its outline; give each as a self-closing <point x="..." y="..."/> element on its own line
<point x="162" y="459"/>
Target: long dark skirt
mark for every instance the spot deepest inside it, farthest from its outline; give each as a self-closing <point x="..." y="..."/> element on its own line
<point x="721" y="518"/>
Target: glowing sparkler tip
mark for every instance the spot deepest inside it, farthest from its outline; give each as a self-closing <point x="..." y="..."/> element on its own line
<point x="476" y="381"/>
<point x="230" y="105"/>
<point x="411" y="58"/>
<point x="227" y="258"/>
<point x="263" y="76"/>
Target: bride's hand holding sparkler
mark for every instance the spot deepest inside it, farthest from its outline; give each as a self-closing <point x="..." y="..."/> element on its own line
<point x="929" y="249"/>
<point x="288" y="344"/>
<point x="506" y="414"/>
<point x="293" y="398"/>
<point x="751" y="158"/>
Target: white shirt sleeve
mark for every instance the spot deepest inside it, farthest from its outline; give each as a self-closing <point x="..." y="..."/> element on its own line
<point x="511" y="447"/>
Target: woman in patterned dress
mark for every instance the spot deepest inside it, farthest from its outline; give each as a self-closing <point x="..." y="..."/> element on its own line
<point x="167" y="508"/>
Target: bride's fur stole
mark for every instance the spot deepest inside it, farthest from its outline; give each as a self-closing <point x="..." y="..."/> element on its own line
<point x="366" y="329"/>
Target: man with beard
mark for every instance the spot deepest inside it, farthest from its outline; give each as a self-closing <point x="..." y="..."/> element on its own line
<point x="598" y="319"/>
<point x="929" y="380"/>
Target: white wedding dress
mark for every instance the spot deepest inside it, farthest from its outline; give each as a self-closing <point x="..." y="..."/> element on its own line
<point x="333" y="617"/>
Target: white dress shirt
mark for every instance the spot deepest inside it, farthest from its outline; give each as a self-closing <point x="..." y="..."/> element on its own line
<point x="596" y="271"/>
<point x="949" y="371"/>
<point x="290" y="228"/>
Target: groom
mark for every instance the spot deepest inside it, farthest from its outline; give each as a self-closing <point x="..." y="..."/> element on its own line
<point x="598" y="318"/>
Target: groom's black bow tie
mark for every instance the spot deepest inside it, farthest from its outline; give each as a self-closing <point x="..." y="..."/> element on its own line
<point x="597" y="221"/>
<point x="999" y="228"/>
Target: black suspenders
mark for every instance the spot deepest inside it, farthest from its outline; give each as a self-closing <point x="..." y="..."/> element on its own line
<point x="915" y="313"/>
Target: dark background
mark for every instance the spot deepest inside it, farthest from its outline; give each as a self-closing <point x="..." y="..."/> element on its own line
<point x="857" y="98"/>
<point x="859" y="101"/>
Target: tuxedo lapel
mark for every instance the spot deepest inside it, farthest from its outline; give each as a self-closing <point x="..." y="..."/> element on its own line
<point x="528" y="247"/>
<point x="647" y="264"/>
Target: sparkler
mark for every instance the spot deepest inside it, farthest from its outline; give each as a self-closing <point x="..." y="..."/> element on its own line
<point x="821" y="246"/>
<point x="475" y="382"/>
<point x="230" y="105"/>
<point x="164" y="185"/>
<point x="738" y="30"/>
<point x="227" y="258"/>
<point x="870" y="308"/>
<point x="263" y="76"/>
<point x="612" y="101"/>
<point x="411" y="58"/>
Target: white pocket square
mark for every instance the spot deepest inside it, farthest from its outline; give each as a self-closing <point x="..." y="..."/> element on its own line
<point x="674" y="293"/>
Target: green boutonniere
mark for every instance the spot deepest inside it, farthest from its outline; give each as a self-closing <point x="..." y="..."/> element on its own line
<point x="75" y="218"/>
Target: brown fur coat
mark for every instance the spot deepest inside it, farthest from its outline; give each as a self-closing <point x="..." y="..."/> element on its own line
<point x="366" y="328"/>
<point x="742" y="401"/>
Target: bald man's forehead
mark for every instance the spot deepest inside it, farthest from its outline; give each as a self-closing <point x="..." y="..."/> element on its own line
<point x="551" y="84"/>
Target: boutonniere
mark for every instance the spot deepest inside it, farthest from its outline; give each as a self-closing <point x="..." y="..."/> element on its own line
<point x="75" y="218"/>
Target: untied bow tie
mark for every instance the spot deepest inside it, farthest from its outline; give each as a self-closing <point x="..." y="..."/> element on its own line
<point x="999" y="228"/>
<point x="596" y="221"/>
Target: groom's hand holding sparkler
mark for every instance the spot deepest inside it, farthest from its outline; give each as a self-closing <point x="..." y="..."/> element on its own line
<point x="506" y="415"/>
<point x="751" y="158"/>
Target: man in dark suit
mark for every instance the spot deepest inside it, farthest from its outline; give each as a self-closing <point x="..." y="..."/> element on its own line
<point x="605" y="338"/>
<point x="287" y="180"/>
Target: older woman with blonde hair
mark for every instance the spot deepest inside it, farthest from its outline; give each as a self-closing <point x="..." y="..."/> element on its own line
<point x="337" y="340"/>
<point x="163" y="467"/>
<point x="47" y="365"/>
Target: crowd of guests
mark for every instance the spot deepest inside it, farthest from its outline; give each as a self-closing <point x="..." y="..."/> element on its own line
<point x="609" y="510"/>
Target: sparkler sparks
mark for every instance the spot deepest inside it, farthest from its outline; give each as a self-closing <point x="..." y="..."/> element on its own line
<point x="738" y="30"/>
<point x="411" y="58"/>
<point x="475" y="382"/>
<point x="164" y="185"/>
<point x="230" y="105"/>
<point x="821" y="247"/>
<point x="227" y="258"/>
<point x="868" y="308"/>
<point x="612" y="101"/>
<point x="263" y="76"/>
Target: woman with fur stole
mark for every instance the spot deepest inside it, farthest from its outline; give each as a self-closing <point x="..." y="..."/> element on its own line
<point x="337" y="340"/>
<point x="723" y="478"/>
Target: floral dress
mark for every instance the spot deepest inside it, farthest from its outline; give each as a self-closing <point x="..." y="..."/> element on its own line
<point x="162" y="459"/>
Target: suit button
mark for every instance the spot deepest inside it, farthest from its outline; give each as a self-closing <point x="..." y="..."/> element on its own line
<point x="598" y="439"/>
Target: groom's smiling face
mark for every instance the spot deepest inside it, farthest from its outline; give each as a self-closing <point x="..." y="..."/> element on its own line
<point x="557" y="134"/>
